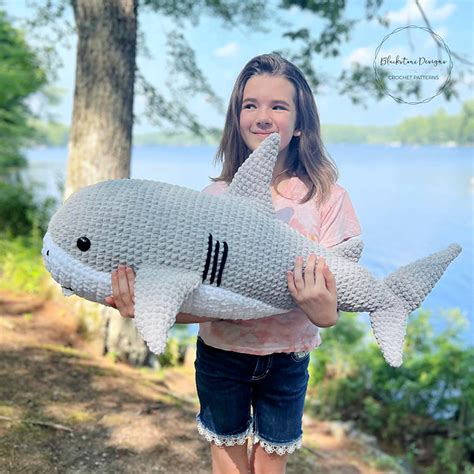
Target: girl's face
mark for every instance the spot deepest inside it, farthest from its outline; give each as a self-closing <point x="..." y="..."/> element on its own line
<point x="268" y="106"/>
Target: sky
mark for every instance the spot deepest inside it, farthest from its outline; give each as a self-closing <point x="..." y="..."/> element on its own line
<point x="221" y="53"/>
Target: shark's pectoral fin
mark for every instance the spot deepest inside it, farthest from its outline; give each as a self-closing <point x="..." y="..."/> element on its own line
<point x="159" y="293"/>
<point x="350" y="249"/>
<point x="389" y="327"/>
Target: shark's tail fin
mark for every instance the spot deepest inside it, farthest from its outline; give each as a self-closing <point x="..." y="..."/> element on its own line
<point x="410" y="285"/>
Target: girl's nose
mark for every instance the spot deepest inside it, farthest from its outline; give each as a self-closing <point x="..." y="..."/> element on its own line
<point x="264" y="121"/>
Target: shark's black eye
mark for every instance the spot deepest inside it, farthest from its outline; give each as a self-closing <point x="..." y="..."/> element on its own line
<point x="83" y="243"/>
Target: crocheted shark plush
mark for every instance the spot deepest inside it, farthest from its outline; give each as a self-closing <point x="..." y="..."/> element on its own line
<point x="218" y="256"/>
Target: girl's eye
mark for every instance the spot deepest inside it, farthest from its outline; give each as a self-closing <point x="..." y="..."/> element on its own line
<point x="247" y="106"/>
<point x="280" y="107"/>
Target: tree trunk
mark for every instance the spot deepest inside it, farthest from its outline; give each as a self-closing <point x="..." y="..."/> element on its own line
<point x="101" y="129"/>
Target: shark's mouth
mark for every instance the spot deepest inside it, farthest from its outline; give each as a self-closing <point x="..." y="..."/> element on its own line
<point x="67" y="291"/>
<point x="74" y="276"/>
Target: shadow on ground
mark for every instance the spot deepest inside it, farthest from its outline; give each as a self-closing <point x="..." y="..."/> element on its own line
<point x="72" y="411"/>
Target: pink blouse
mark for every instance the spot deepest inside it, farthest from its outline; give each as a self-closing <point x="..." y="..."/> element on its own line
<point x="330" y="224"/>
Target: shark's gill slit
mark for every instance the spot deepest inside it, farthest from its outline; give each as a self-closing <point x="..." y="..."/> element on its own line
<point x="221" y="268"/>
<point x="208" y="259"/>
<point x="214" y="262"/>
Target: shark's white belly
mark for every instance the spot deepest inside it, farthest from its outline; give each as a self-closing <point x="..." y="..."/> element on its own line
<point x="216" y="302"/>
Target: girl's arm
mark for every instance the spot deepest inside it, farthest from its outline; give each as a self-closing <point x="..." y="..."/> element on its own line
<point x="123" y="297"/>
<point x="314" y="291"/>
<point x="187" y="318"/>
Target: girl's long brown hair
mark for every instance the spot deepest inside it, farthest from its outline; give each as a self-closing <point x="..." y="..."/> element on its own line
<point x="307" y="157"/>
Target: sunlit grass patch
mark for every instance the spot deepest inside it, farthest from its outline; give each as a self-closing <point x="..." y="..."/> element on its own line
<point x="70" y="414"/>
<point x="21" y="265"/>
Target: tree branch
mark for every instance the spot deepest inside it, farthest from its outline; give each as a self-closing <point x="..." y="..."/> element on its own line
<point x="46" y="424"/>
<point x="425" y="18"/>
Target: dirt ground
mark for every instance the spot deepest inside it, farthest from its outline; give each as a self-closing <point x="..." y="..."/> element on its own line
<point x="64" y="408"/>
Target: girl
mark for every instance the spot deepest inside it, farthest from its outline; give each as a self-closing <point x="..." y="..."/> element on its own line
<point x="251" y="375"/>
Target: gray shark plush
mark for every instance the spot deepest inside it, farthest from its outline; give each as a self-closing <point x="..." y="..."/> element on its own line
<point x="218" y="256"/>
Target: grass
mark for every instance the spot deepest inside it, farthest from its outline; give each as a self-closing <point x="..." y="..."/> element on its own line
<point x="21" y="265"/>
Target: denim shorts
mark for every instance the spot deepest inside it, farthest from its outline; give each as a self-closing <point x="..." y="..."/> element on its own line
<point x="243" y="395"/>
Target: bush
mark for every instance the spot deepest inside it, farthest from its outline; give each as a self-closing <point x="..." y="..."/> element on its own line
<point x="20" y="213"/>
<point x="424" y="408"/>
<point x="170" y="356"/>
<point x="177" y="346"/>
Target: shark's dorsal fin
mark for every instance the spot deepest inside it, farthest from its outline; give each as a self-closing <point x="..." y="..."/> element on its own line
<point x="350" y="249"/>
<point x="254" y="176"/>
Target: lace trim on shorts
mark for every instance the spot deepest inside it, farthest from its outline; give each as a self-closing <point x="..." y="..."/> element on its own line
<point x="223" y="440"/>
<point x="278" y="448"/>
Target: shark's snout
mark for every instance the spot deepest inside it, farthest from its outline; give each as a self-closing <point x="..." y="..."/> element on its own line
<point x="74" y="276"/>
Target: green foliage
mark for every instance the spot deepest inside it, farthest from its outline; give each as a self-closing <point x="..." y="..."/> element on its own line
<point x="439" y="127"/>
<point x="173" y="138"/>
<point x="170" y="357"/>
<point x="466" y="127"/>
<point x="357" y="134"/>
<point x="176" y="347"/>
<point x="424" y="408"/>
<point x="20" y="212"/>
<point x="21" y="265"/>
<point x="20" y="76"/>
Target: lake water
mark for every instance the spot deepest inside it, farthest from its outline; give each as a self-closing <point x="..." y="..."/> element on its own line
<point x="411" y="201"/>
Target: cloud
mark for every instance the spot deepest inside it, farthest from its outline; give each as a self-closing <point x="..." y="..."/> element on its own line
<point x="411" y="14"/>
<point x="230" y="49"/>
<point x="364" y="56"/>
<point x="293" y="10"/>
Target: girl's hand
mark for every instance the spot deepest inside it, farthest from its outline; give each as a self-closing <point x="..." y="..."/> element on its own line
<point x="123" y="291"/>
<point x="314" y="291"/>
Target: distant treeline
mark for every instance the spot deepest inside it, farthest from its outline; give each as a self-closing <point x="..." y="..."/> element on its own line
<point x="439" y="128"/>
<point x="57" y="135"/>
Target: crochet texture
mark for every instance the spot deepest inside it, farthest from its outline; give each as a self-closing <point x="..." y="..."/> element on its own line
<point x="219" y="256"/>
